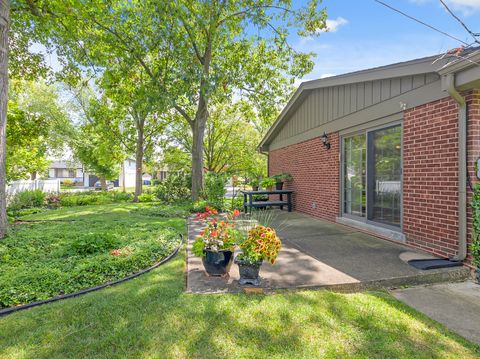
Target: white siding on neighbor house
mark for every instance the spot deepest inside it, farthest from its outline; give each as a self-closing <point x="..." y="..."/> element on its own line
<point x="324" y="105"/>
<point x="128" y="172"/>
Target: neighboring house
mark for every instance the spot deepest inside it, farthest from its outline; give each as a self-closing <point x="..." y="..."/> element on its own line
<point x="126" y="178"/>
<point x="396" y="136"/>
<point x="64" y="170"/>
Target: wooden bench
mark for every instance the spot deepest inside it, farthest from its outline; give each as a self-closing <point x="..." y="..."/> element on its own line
<point x="249" y="203"/>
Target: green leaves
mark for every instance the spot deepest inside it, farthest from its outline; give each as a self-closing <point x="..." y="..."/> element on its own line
<point x="475" y="245"/>
<point x="36" y="124"/>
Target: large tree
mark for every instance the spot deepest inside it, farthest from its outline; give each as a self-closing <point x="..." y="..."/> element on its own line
<point x="4" y="28"/>
<point x="37" y="127"/>
<point x="190" y="50"/>
<point x="96" y="140"/>
<point x="235" y="46"/>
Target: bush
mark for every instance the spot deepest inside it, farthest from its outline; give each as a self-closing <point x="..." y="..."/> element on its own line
<point x="68" y="183"/>
<point x="147" y="197"/>
<point x="215" y="190"/>
<point x="89" y="198"/>
<point x="25" y="199"/>
<point x="199" y="206"/>
<point x="234" y="203"/>
<point x="173" y="188"/>
<point x="52" y="200"/>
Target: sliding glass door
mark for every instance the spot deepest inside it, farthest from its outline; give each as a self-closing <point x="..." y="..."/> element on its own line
<point x="354" y="182"/>
<point x="372" y="174"/>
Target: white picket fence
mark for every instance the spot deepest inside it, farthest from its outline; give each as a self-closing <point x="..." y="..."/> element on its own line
<point x="49" y="186"/>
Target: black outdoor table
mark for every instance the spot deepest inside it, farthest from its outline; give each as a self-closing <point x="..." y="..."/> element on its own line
<point x="250" y="203"/>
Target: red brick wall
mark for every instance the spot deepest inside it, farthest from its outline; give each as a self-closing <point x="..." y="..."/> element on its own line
<point x="430" y="179"/>
<point x="315" y="171"/>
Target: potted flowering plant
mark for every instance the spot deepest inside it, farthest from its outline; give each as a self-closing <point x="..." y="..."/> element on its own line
<point x="262" y="243"/>
<point x="216" y="243"/>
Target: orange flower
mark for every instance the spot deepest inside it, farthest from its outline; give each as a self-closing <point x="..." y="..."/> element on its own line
<point x="236" y="213"/>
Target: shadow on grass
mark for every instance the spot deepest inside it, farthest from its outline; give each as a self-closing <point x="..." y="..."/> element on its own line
<point x="151" y="316"/>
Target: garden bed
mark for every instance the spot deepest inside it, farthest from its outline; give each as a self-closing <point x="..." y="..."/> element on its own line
<point x="75" y="248"/>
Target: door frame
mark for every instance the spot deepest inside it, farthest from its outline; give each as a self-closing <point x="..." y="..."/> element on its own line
<point x="366" y="131"/>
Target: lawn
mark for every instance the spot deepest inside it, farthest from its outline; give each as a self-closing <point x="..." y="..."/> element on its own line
<point x="152" y="317"/>
<point x="73" y="248"/>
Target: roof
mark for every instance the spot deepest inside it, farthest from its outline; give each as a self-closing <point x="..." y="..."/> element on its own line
<point x="429" y="64"/>
<point x="65" y="164"/>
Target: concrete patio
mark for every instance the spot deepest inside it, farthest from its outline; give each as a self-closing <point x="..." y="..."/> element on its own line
<point x="321" y="254"/>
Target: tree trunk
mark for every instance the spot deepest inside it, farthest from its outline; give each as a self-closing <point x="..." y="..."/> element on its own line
<point x="103" y="183"/>
<point x="139" y="159"/>
<point x="198" y="131"/>
<point x="4" y="27"/>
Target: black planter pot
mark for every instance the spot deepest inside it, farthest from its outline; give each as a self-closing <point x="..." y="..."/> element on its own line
<point x="249" y="273"/>
<point x="255" y="188"/>
<point x="217" y="264"/>
<point x="279" y="186"/>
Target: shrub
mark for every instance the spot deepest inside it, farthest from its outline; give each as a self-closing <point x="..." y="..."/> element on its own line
<point x="52" y="200"/>
<point x="475" y="245"/>
<point x="234" y="203"/>
<point x="68" y="183"/>
<point x="147" y="197"/>
<point x="215" y="190"/>
<point x="25" y="199"/>
<point x="88" y="198"/>
<point x="199" y="206"/>
<point x="173" y="188"/>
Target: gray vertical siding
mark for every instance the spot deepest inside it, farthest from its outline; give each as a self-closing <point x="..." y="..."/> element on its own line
<point x="328" y="104"/>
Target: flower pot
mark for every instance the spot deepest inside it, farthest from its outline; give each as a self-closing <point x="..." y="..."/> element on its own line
<point x="217" y="264"/>
<point x="279" y="186"/>
<point x="249" y="273"/>
<point x="255" y="188"/>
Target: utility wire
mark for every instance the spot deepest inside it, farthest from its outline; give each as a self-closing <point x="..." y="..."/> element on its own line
<point x="421" y="22"/>
<point x="474" y="35"/>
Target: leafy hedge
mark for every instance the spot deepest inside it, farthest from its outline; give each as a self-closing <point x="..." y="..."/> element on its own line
<point x="475" y="246"/>
<point x="22" y="203"/>
<point x="72" y="250"/>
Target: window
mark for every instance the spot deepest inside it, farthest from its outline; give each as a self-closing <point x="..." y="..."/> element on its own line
<point x="64" y="173"/>
<point x="372" y="174"/>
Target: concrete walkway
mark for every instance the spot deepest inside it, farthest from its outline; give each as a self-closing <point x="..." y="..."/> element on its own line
<point x="321" y="254"/>
<point x="456" y="305"/>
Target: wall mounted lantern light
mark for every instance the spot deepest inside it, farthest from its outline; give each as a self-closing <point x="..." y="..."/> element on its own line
<point x="325" y="141"/>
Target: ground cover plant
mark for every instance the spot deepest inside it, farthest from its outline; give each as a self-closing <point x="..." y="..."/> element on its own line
<point x="152" y="317"/>
<point x="64" y="250"/>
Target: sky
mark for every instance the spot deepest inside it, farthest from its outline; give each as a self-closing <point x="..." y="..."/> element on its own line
<point x="364" y="34"/>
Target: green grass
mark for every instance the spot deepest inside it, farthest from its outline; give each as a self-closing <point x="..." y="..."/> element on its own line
<point x="69" y="249"/>
<point x="152" y="317"/>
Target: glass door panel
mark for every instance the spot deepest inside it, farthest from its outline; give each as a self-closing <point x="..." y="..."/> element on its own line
<point x="385" y="175"/>
<point x="354" y="181"/>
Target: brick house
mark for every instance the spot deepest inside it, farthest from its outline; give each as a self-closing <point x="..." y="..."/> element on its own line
<point x="389" y="150"/>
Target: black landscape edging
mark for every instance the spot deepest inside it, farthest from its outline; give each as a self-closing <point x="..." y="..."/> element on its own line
<point x="10" y="310"/>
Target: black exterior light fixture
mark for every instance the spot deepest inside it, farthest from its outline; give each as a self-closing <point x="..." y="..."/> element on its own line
<point x="325" y="141"/>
